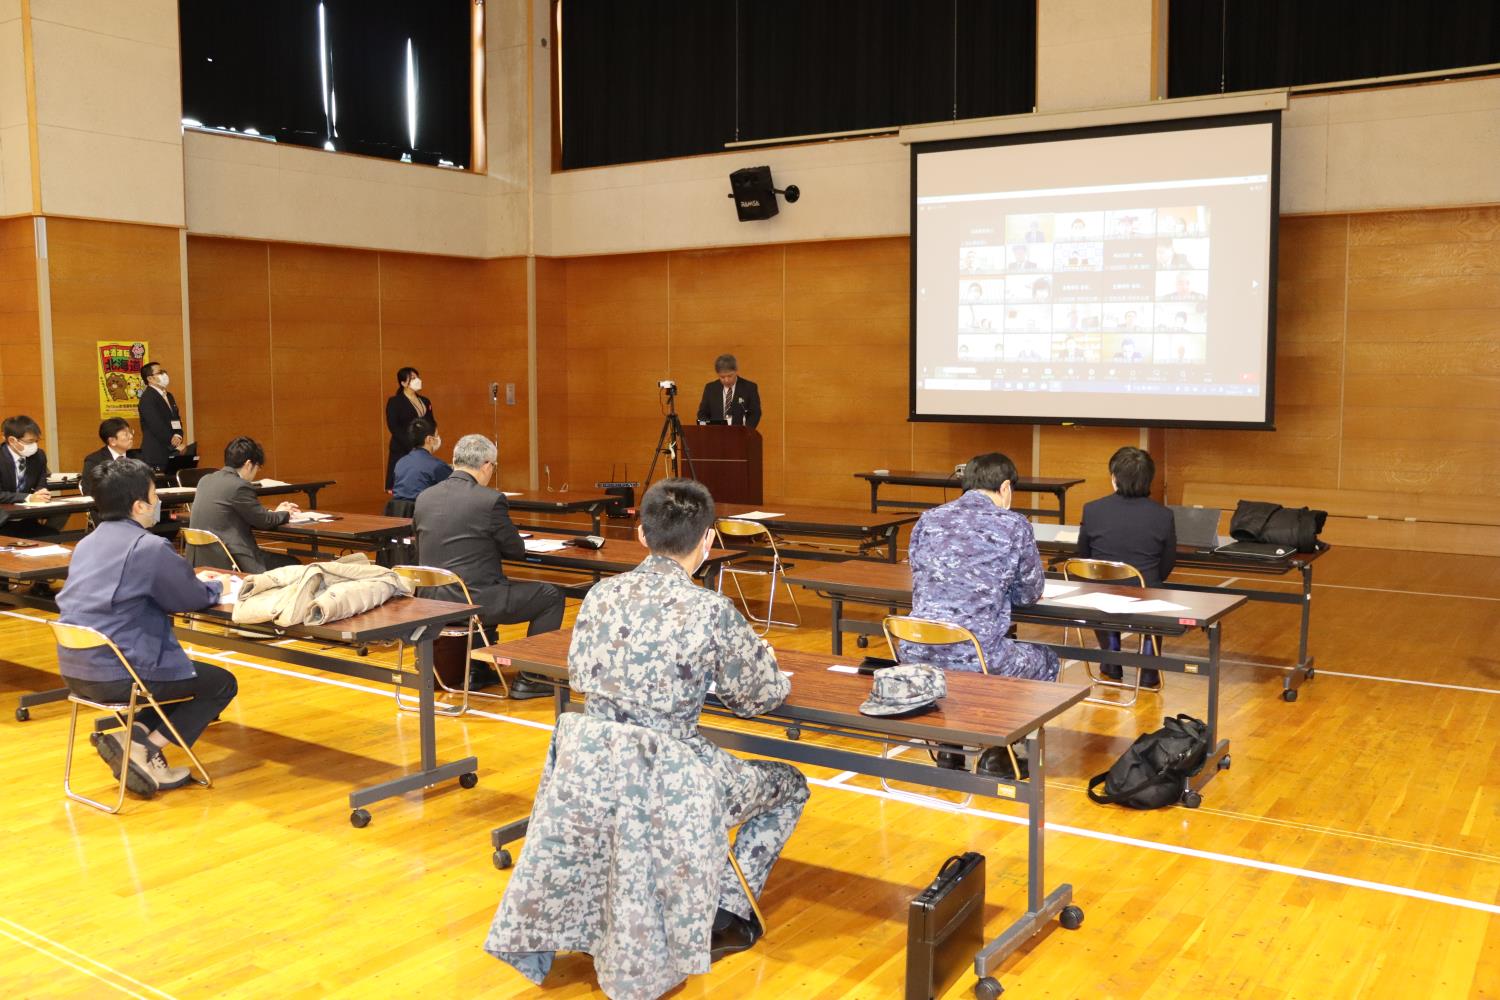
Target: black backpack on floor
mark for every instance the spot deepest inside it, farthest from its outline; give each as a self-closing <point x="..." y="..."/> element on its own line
<point x="1153" y="773"/>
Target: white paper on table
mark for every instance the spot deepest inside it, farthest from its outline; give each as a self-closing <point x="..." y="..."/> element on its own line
<point x="41" y="550"/>
<point x="1108" y="603"/>
<point x="1156" y="607"/>
<point x="1068" y="535"/>
<point x="509" y="494"/>
<point x="66" y="477"/>
<point x="173" y="491"/>
<point x="755" y="515"/>
<point x="1053" y="589"/>
<point x="230" y="589"/>
<point x="66" y="501"/>
<point x="840" y="668"/>
<point x="270" y="482"/>
<point x="304" y="516"/>
<point x="545" y="544"/>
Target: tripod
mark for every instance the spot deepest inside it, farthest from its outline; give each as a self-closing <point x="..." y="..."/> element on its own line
<point x="670" y="443"/>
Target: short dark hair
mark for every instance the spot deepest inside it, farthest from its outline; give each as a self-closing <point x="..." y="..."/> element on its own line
<point x="989" y="472"/>
<point x="116" y="486"/>
<point x="419" y="430"/>
<point x="402" y="374"/>
<point x="149" y="368"/>
<point x="674" y="515"/>
<point x="1133" y="470"/>
<point x="242" y="450"/>
<point x="726" y="363"/>
<point x="109" y="428"/>
<point x="20" y="426"/>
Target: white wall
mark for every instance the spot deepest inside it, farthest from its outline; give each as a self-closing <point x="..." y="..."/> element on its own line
<point x="108" y="104"/>
<point x="15" y="138"/>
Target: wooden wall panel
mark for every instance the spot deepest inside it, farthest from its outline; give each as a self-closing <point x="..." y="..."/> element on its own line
<point x="229" y="306"/>
<point x="20" y="328"/>
<point x="109" y="281"/>
<point x="552" y="366"/>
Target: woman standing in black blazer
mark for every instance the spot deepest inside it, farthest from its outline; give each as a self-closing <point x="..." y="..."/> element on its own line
<point x="400" y="410"/>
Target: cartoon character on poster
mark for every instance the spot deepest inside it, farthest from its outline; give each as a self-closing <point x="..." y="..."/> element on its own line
<point x="120" y="382"/>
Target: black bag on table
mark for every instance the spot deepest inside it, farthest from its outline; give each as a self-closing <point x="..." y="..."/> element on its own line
<point x="1153" y="773"/>
<point x="1293" y="527"/>
<point x="945" y="927"/>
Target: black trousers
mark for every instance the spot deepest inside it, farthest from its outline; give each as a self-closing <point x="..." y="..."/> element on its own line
<point x="538" y="604"/>
<point x="211" y="692"/>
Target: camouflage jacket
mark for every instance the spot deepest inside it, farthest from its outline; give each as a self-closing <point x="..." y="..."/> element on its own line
<point x="970" y="561"/>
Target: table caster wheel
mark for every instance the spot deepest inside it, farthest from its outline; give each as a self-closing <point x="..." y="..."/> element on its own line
<point x="359" y="818"/>
<point x="502" y="859"/>
<point x="1224" y="762"/>
<point x="793" y="733"/>
<point x="1192" y="799"/>
<point x="1071" y="917"/>
<point x="988" y="988"/>
<point x="863" y="642"/>
<point x="468" y="779"/>
<point x="1290" y="694"/>
<point x="22" y="714"/>
<point x="1311" y="673"/>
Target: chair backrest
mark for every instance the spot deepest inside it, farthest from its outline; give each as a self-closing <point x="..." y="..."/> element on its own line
<point x="84" y="637"/>
<point x="1101" y="570"/>
<point x="197" y="536"/>
<point x="432" y="576"/>
<point x="732" y="527"/>
<point x="929" y="632"/>
<point x="192" y="477"/>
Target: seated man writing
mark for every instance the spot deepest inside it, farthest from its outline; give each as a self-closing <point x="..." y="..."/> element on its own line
<point x="971" y="559"/>
<point x="227" y="505"/>
<point x="1129" y="527"/>
<point x="126" y="582"/>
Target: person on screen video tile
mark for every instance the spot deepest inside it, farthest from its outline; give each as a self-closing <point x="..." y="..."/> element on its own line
<point x="1182" y="290"/>
<point x="1127" y="351"/>
<point x="1034" y="232"/>
<point x="1020" y="258"/>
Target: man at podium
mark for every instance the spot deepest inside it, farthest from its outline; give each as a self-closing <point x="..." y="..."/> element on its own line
<point x="729" y="398"/>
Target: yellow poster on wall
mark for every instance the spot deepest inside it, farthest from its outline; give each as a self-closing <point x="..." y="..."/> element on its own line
<point x="120" y="382"/>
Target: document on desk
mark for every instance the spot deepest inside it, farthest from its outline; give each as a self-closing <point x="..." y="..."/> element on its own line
<point x="509" y="494"/>
<point x="755" y="515"/>
<point x="270" y="482"/>
<point x="1155" y="607"/>
<point x="309" y="516"/>
<point x="177" y="491"/>
<point x="545" y="545"/>
<point x="38" y="551"/>
<point x="230" y="592"/>
<point x="1108" y="603"/>
<point x="66" y="501"/>
<point x="1052" y="589"/>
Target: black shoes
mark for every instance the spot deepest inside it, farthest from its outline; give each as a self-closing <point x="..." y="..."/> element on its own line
<point x="1111" y="672"/>
<point x="995" y="763"/>
<point x="951" y="761"/>
<point x="526" y="686"/>
<point x="732" y="933"/>
<point x="481" y="676"/>
<point x="1150" y="679"/>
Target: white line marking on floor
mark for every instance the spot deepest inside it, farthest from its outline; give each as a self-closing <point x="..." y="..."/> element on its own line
<point x="1321" y="672"/>
<point x="151" y="990"/>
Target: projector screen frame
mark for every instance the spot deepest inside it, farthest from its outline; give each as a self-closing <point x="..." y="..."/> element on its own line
<point x="1270" y="117"/>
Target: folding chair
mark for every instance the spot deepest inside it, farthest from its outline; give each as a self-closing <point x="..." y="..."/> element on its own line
<point x="195" y="537"/>
<point x="745" y="885"/>
<point x="192" y="477"/>
<point x="432" y="576"/>
<point x="1104" y="571"/>
<point x="775" y="569"/>
<point x="83" y="637"/>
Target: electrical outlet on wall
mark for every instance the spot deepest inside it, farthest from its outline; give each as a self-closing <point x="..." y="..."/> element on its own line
<point x="510" y="394"/>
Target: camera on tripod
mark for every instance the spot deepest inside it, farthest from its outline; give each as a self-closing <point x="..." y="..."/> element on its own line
<point x="668" y="385"/>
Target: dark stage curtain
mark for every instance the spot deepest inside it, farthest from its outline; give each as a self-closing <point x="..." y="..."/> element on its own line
<point x="1216" y="46"/>
<point x="648" y="79"/>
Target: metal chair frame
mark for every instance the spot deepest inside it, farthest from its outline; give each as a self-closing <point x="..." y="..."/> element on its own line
<point x="434" y="576"/>
<point x="745" y="885"/>
<point x="83" y="637"/>
<point x="200" y="537"/>
<point x="1104" y="570"/>
<point x="741" y="529"/>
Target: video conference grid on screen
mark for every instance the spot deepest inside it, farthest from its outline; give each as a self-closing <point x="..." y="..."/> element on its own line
<point x="1130" y="294"/>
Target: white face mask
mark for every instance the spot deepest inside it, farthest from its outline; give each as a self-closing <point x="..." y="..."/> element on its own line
<point x="415" y="384"/>
<point x="163" y="380"/>
<point x="27" y="450"/>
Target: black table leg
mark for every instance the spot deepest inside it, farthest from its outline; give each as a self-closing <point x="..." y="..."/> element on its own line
<point x="1303" y="671"/>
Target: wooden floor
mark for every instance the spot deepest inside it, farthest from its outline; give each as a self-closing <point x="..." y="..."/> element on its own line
<point x="1352" y="850"/>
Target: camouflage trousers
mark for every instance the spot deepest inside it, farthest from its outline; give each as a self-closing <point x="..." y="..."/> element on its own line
<point x="764" y="799"/>
<point x="1009" y="659"/>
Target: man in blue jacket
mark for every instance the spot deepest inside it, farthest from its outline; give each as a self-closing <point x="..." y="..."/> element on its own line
<point x="127" y="583"/>
<point x="420" y="467"/>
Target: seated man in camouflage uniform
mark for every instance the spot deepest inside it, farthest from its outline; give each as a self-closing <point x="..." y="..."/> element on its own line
<point x="971" y="559"/>
<point x="646" y="646"/>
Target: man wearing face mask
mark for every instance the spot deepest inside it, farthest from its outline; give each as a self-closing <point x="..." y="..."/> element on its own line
<point x="226" y="504"/>
<point x="127" y="583"/>
<point x="161" y="422"/>
<point x="420" y="467"/>
<point x="23" y="476"/>
<point x="463" y="526"/>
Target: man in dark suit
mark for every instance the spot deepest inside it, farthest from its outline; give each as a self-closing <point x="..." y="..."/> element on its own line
<point x="464" y="526"/>
<point x="227" y="505"/>
<point x="23" y="477"/>
<point x="118" y="440"/>
<point x="1129" y="527"/>
<point x="161" y="422"/>
<point x="730" y="397"/>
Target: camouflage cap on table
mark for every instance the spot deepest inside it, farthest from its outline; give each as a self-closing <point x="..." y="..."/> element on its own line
<point x="904" y="688"/>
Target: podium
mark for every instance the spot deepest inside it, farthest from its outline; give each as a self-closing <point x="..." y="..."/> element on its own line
<point x="725" y="459"/>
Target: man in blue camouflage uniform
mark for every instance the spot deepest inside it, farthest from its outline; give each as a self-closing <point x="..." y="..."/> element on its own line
<point x="647" y="647"/>
<point x="971" y="559"/>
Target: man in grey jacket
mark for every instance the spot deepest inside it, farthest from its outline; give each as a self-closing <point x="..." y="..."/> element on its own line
<point x="464" y="526"/>
<point x="226" y="504"/>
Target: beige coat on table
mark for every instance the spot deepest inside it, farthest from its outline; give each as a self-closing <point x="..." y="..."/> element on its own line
<point x="317" y="593"/>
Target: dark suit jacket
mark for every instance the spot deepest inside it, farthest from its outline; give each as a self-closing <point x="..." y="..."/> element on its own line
<point x="1134" y="530"/>
<point x="156" y="416"/>
<point x="712" y="406"/>
<point x="229" y="507"/>
<point x="34" y="478"/>
<point x="466" y="528"/>
<point x="96" y="458"/>
<point x="399" y="413"/>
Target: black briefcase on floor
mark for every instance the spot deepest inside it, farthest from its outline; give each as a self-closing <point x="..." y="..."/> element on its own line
<point x="945" y="927"/>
